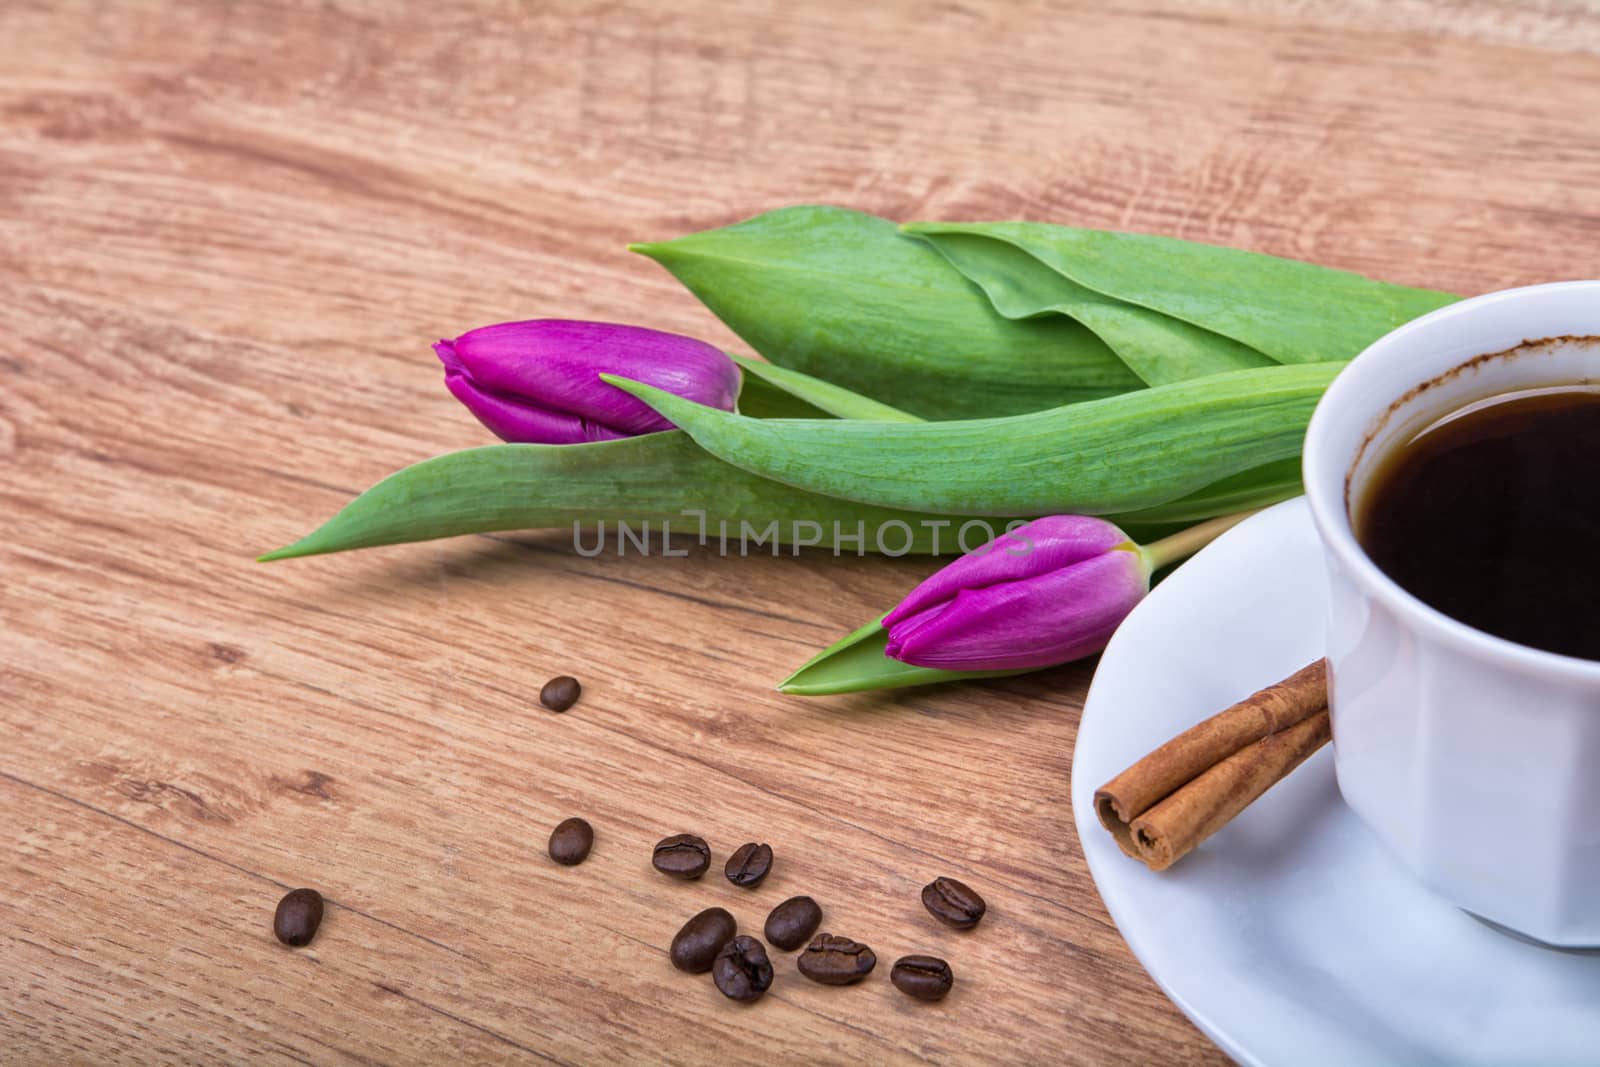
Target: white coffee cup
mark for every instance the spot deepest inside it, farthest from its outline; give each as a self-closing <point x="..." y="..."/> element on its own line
<point x="1475" y="759"/>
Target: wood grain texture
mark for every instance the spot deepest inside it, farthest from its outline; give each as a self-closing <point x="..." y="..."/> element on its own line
<point x="228" y="231"/>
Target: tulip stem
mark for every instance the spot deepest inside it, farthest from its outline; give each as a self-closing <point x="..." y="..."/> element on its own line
<point x="1185" y="543"/>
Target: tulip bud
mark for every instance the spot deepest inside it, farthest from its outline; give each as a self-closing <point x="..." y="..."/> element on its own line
<point x="1052" y="591"/>
<point x="539" y="381"/>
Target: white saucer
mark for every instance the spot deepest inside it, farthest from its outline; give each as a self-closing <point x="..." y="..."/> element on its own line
<point x="1292" y="936"/>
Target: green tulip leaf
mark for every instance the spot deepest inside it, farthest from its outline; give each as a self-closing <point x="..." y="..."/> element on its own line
<point x="1292" y="311"/>
<point x="822" y="396"/>
<point x="1255" y="488"/>
<point x="654" y="479"/>
<point x="761" y="399"/>
<point x="857" y="663"/>
<point x="1156" y="347"/>
<point x="844" y="296"/>
<point x="1122" y="454"/>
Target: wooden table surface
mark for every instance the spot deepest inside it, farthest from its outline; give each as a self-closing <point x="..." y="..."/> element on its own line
<point x="229" y="231"/>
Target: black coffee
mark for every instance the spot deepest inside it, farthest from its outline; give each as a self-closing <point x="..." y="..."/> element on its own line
<point x="696" y="945"/>
<point x="749" y="865"/>
<point x="1492" y="516"/>
<point x="298" y="916"/>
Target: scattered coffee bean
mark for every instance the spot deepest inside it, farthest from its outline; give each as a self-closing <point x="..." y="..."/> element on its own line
<point x="953" y="902"/>
<point x="682" y="856"/>
<point x="792" y="923"/>
<point x="749" y="864"/>
<point x="695" y="947"/>
<point x="298" y="916"/>
<point x="923" y="977"/>
<point x="836" y="960"/>
<point x="571" y="841"/>
<point x="742" y="970"/>
<point x="561" y="693"/>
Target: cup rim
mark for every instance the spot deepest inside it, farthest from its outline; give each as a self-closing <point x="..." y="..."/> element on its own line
<point x="1332" y="519"/>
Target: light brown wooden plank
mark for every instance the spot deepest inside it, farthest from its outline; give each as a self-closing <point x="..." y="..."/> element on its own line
<point x="228" y="232"/>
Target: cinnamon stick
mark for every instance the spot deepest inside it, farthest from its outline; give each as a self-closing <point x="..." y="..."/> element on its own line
<point x="1177" y="796"/>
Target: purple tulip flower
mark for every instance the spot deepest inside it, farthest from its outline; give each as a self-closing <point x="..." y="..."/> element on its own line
<point x="1050" y="592"/>
<point x="539" y="381"/>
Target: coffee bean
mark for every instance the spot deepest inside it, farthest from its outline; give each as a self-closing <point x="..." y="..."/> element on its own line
<point x="792" y="923"/>
<point x="749" y="864"/>
<point x="836" y="960"/>
<point x="695" y="947"/>
<point x="923" y="977"/>
<point x="561" y="693"/>
<point x="953" y="902"/>
<point x="571" y="841"/>
<point x="298" y="916"/>
<point x="742" y="970"/>
<point x="682" y="856"/>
